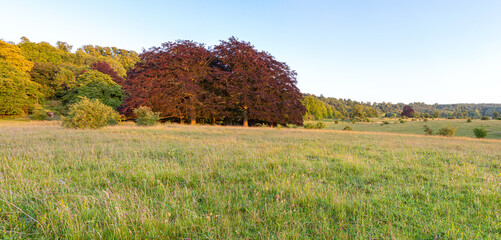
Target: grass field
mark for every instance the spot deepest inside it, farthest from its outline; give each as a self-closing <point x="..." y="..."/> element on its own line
<point x="202" y="182"/>
<point x="464" y="129"/>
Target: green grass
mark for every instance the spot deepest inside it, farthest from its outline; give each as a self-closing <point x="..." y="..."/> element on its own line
<point x="174" y="181"/>
<point x="464" y="129"/>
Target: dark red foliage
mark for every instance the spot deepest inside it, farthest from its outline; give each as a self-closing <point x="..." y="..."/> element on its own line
<point x="105" y="68"/>
<point x="171" y="78"/>
<point x="260" y="88"/>
<point x="407" y="111"/>
<point x="233" y="83"/>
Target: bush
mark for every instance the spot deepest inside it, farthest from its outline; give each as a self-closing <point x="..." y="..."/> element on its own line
<point x="480" y="132"/>
<point x="468" y="120"/>
<point x="336" y="122"/>
<point x="146" y="117"/>
<point x="290" y="125"/>
<point x="447" y="131"/>
<point x="90" y="114"/>
<point x="428" y="130"/>
<point x="485" y="118"/>
<point x="347" y="128"/>
<point x="39" y="113"/>
<point x="318" y="125"/>
<point x="385" y="122"/>
<point x="402" y="121"/>
<point x="425" y="120"/>
<point x="499" y="118"/>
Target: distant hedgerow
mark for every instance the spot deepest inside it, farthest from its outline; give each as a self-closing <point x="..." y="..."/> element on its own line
<point x="485" y="118"/>
<point x="145" y="116"/>
<point x="480" y="132"/>
<point x="90" y="114"/>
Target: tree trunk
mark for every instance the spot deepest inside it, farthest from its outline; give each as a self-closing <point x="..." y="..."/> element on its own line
<point x="181" y="121"/>
<point x="213" y="121"/>
<point x="246" y="118"/>
<point x="193" y="121"/>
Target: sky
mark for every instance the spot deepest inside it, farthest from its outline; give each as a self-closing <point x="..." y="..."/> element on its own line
<point x="432" y="51"/>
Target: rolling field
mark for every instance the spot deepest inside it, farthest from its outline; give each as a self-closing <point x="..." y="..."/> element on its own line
<point x="184" y="182"/>
<point x="464" y="129"/>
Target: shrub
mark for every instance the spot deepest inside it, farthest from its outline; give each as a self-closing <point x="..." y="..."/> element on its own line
<point x="90" y="114"/>
<point x="347" y="128"/>
<point x="480" y="132"/>
<point x="386" y="122"/>
<point x="447" y="131"/>
<point x="402" y="121"/>
<point x="428" y="130"/>
<point x="485" y="118"/>
<point x="317" y="125"/>
<point x="499" y="118"/>
<point x="146" y="117"/>
<point x="468" y="120"/>
<point x="290" y="125"/>
<point x="320" y="125"/>
<point x="39" y="113"/>
<point x="425" y="120"/>
<point x="336" y="122"/>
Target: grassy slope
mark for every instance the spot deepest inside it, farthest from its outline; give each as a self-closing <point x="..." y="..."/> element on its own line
<point x="224" y="182"/>
<point x="464" y="129"/>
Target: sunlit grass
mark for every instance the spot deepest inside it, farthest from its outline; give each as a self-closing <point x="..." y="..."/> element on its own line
<point x="174" y="181"/>
<point x="464" y="129"/>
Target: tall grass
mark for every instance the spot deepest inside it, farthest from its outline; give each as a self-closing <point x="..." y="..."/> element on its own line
<point x="173" y="181"/>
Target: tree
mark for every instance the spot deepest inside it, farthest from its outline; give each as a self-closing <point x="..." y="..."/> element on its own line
<point x="125" y="57"/>
<point x="170" y="78"/>
<point x="63" y="46"/>
<point x="45" y="75"/>
<point x="109" y="94"/>
<point x="314" y="107"/>
<point x="17" y="92"/>
<point x="94" y="76"/>
<point x="496" y="114"/>
<point x="259" y="88"/>
<point x="407" y="111"/>
<point x="12" y="54"/>
<point x="105" y="68"/>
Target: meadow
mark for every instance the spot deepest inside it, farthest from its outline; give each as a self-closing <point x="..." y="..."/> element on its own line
<point x="210" y="182"/>
<point x="464" y="129"/>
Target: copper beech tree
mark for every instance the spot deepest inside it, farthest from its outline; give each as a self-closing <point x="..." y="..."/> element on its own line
<point x="233" y="83"/>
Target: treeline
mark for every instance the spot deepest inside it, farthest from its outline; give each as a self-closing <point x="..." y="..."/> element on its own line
<point x="320" y="107"/>
<point x="231" y="83"/>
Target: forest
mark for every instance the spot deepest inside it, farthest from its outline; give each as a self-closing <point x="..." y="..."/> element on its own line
<point x="232" y="83"/>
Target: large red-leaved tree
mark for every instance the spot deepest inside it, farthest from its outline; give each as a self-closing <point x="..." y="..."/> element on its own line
<point x="170" y="80"/>
<point x="259" y="88"/>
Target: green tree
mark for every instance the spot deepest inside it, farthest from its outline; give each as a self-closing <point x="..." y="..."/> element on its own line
<point x="314" y="107"/>
<point x="94" y="76"/>
<point x="109" y="94"/>
<point x="17" y="92"/>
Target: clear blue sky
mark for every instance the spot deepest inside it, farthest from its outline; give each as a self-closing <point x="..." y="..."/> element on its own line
<point x="433" y="51"/>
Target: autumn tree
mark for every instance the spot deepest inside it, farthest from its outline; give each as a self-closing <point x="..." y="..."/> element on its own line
<point x="14" y="56"/>
<point x="170" y="80"/>
<point x="407" y="111"/>
<point x="105" y="68"/>
<point x="17" y="92"/>
<point x="259" y="87"/>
